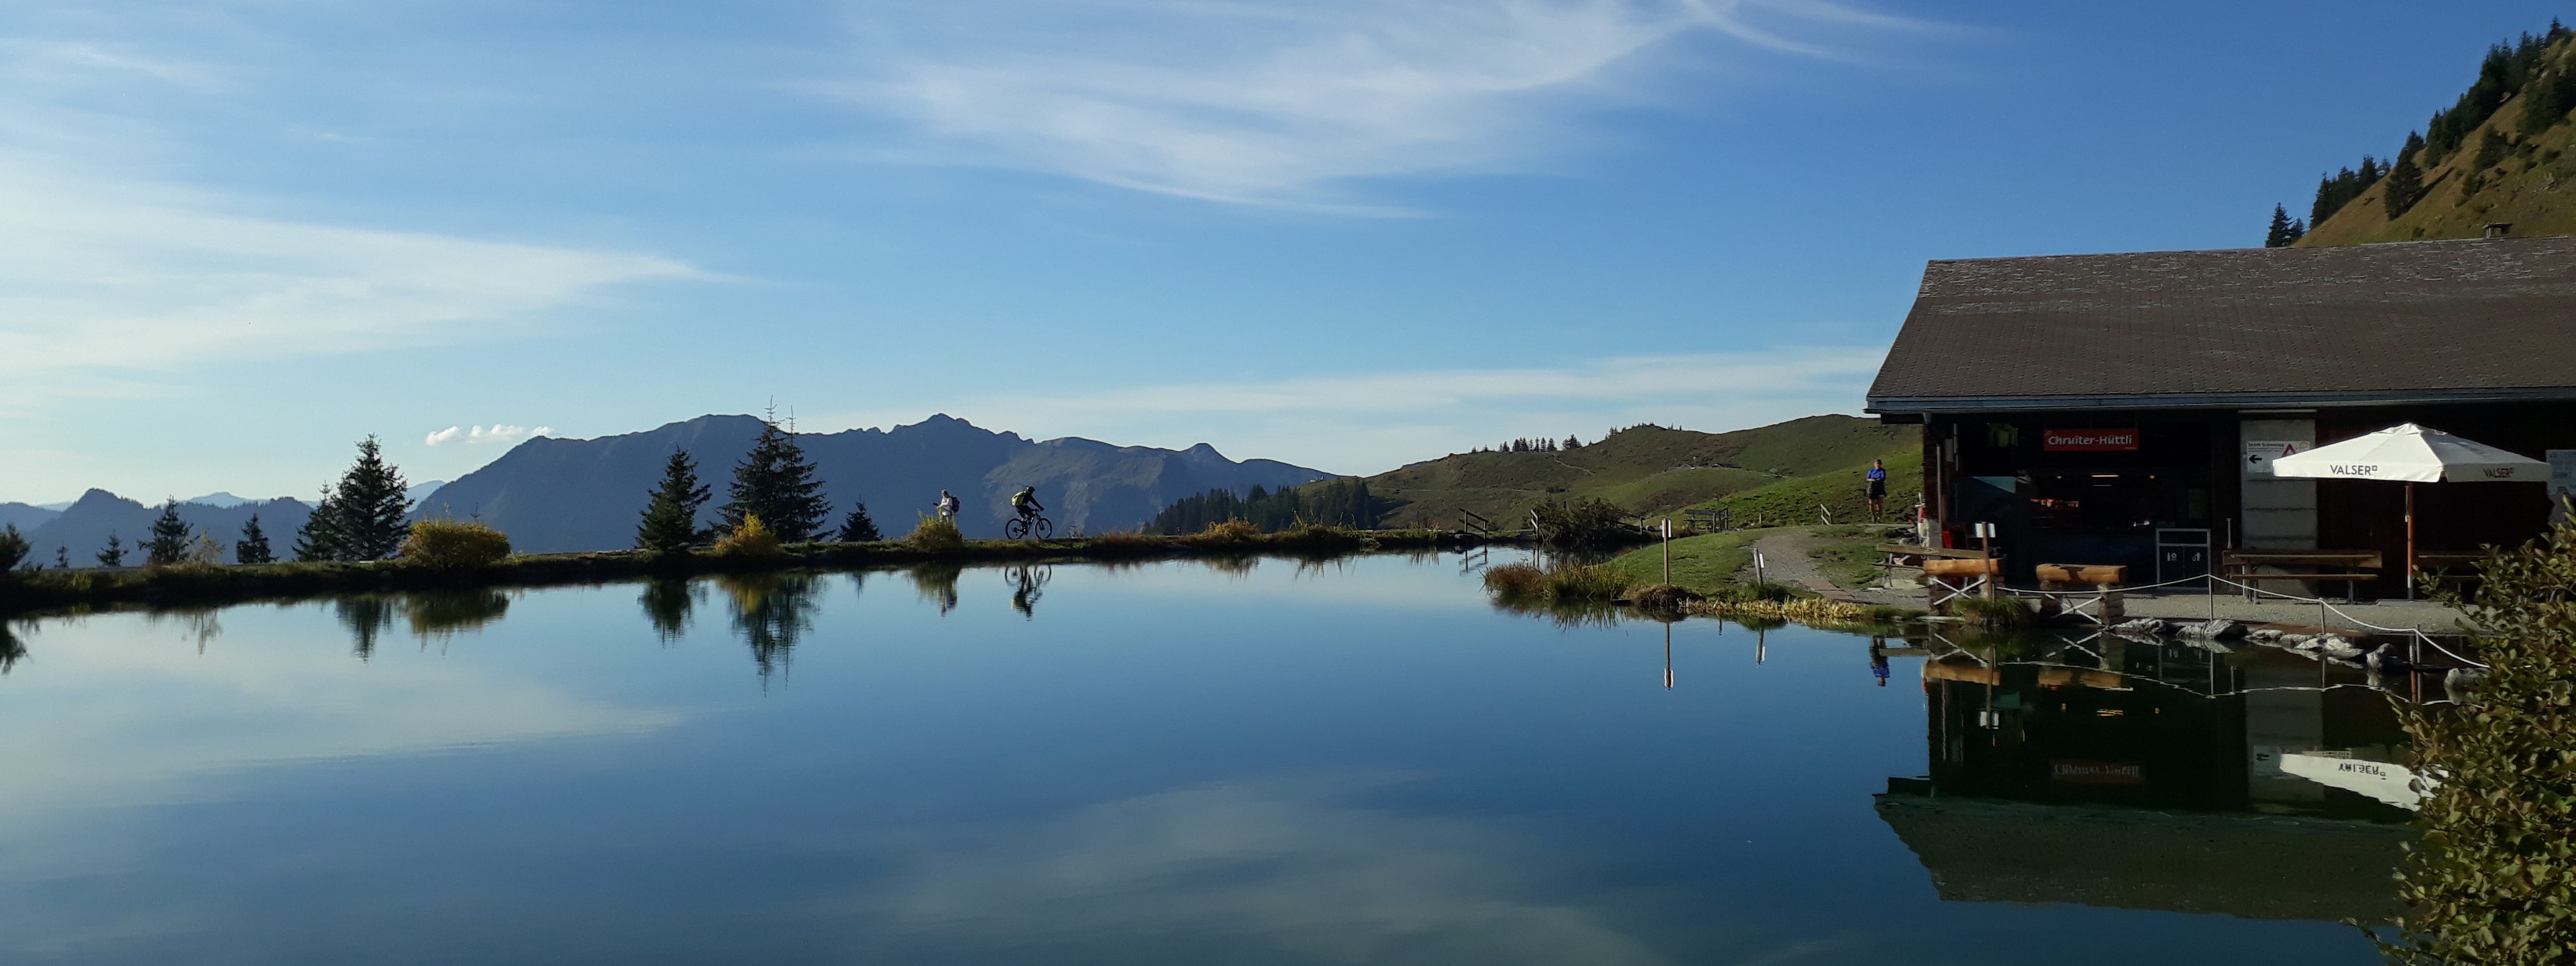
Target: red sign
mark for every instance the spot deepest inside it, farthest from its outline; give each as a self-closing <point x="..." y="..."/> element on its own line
<point x="2074" y="771"/>
<point x="2088" y="440"/>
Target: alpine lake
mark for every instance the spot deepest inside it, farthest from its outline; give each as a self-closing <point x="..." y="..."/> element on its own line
<point x="1254" y="761"/>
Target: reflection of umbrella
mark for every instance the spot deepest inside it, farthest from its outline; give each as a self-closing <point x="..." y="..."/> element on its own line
<point x="2410" y="454"/>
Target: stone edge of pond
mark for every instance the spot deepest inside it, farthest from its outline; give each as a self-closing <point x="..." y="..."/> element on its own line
<point x="39" y="593"/>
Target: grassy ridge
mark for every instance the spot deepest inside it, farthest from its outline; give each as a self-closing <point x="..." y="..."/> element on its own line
<point x="1805" y="500"/>
<point x="1644" y="469"/>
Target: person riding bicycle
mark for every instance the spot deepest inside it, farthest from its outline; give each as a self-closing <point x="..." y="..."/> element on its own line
<point x="1026" y="502"/>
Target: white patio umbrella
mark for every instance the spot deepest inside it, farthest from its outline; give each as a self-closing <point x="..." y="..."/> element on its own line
<point x="2410" y="454"/>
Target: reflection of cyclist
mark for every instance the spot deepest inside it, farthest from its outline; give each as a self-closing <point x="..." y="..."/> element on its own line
<point x="947" y="505"/>
<point x="1024" y="593"/>
<point x="1026" y="502"/>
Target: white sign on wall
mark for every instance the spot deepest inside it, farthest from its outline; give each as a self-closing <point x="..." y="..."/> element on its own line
<point x="2259" y="454"/>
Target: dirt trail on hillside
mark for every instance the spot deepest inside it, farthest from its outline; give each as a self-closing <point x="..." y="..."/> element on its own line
<point x="1784" y="558"/>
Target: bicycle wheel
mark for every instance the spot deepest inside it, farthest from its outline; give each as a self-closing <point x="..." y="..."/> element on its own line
<point x="1045" y="528"/>
<point x="1015" y="529"/>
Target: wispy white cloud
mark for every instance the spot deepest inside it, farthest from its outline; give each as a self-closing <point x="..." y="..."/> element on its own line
<point x="1366" y="422"/>
<point x="1282" y="104"/>
<point x="104" y="285"/>
<point x="495" y="433"/>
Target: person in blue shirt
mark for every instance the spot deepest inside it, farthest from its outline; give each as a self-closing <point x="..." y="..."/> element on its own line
<point x="1877" y="489"/>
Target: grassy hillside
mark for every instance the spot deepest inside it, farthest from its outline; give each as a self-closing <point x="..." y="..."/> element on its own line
<point x="1842" y="491"/>
<point x="1644" y="469"/>
<point x="2510" y="168"/>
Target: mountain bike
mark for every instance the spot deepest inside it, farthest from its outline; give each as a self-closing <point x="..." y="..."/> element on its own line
<point x="1033" y="525"/>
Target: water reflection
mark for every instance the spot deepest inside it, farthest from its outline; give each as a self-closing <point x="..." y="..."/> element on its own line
<point x="2145" y="774"/>
<point x="772" y="611"/>
<point x="12" y="650"/>
<point x="1026" y="582"/>
<point x="668" y="604"/>
<point x="365" y="615"/>
<point x="441" y="614"/>
<point x="937" y="583"/>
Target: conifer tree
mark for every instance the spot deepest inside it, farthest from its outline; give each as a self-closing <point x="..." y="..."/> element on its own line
<point x="252" y="548"/>
<point x="671" y="519"/>
<point x="319" y="538"/>
<point x="2405" y="187"/>
<point x="169" y="543"/>
<point x="113" y="555"/>
<point x="62" y="557"/>
<point x="372" y="505"/>
<point x="858" y="527"/>
<point x="2279" y="235"/>
<point x="13" y="548"/>
<point x="776" y="483"/>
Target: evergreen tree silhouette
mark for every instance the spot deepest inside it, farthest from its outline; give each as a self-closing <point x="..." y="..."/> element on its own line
<point x="671" y="519"/>
<point x="169" y="543"/>
<point x="775" y="482"/>
<point x="252" y="548"/>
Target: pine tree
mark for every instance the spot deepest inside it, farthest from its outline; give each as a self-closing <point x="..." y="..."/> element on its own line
<point x="671" y="519"/>
<point x="2279" y="235"/>
<point x="252" y="548"/>
<point x="169" y="543"/>
<point x="1573" y="442"/>
<point x="13" y="547"/>
<point x="113" y="555"/>
<point x="62" y="558"/>
<point x="372" y="505"/>
<point x="319" y="538"/>
<point x="776" y="483"/>
<point x="857" y="527"/>
<point x="2405" y="187"/>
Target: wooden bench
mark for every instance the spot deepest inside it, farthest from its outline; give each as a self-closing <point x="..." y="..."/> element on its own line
<point x="1951" y="578"/>
<point x="2105" y="579"/>
<point x="2238" y="566"/>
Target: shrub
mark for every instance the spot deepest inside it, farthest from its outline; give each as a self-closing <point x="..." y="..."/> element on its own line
<point x="448" y="543"/>
<point x="936" y="534"/>
<point x="750" y="538"/>
<point x="1226" y="533"/>
<point x="1515" y="580"/>
<point x="2488" y="884"/>
<point x="1559" y="581"/>
<point x="13" y="547"/>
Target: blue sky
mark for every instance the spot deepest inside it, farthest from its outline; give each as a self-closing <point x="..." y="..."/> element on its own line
<point x="237" y="235"/>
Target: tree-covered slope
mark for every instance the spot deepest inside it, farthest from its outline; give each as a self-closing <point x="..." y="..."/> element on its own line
<point x="2501" y="153"/>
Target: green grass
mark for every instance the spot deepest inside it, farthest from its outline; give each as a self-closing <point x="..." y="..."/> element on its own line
<point x="1645" y="470"/>
<point x="1796" y="501"/>
<point x="1706" y="564"/>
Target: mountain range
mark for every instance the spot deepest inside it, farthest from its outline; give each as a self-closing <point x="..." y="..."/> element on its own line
<point x="79" y="530"/>
<point x="555" y="495"/>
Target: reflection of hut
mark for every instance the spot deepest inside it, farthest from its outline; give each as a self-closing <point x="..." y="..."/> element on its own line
<point x="2255" y="866"/>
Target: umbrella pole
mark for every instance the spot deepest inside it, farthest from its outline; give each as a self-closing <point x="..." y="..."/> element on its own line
<point x="2410" y="541"/>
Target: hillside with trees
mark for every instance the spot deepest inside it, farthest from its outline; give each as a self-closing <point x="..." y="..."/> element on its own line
<point x="1643" y="470"/>
<point x="2500" y="153"/>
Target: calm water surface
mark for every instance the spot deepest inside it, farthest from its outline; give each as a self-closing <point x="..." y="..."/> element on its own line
<point x="1170" y="763"/>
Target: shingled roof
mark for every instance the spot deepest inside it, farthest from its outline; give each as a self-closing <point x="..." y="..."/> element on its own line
<point x="2482" y="319"/>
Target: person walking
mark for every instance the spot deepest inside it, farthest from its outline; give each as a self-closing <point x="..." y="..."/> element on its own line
<point x="947" y="505"/>
<point x="1877" y="489"/>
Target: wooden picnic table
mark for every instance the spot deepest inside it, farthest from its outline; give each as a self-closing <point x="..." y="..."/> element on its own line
<point x="2238" y="566"/>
